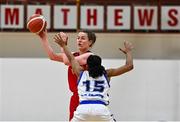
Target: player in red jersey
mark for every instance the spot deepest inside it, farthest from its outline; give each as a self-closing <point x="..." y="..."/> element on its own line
<point x="85" y="41"/>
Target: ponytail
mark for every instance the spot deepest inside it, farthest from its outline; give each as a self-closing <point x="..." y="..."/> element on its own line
<point x="96" y="71"/>
<point x="94" y="66"/>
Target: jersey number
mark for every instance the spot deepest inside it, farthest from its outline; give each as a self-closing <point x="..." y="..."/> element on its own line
<point x="98" y="86"/>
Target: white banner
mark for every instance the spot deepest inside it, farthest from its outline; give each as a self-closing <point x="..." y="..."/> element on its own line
<point x="145" y="18"/>
<point x="40" y="9"/>
<point x="170" y="18"/>
<point x="118" y="18"/>
<point x="92" y="17"/>
<point x="12" y="16"/>
<point x="96" y="17"/>
<point x="65" y="17"/>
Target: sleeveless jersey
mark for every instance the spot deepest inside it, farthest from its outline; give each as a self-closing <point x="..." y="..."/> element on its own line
<point x="93" y="88"/>
<point x="72" y="78"/>
<point x="72" y="81"/>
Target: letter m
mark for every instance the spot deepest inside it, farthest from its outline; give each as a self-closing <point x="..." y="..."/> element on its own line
<point x="12" y="16"/>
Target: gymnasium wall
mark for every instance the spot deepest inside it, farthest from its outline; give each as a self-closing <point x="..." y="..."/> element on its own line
<point x="147" y="46"/>
<point x="37" y="90"/>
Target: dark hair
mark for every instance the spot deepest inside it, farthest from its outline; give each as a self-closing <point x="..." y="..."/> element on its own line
<point x="91" y="35"/>
<point x="94" y="66"/>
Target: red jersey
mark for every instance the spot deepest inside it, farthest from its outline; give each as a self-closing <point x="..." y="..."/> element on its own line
<point x="72" y="80"/>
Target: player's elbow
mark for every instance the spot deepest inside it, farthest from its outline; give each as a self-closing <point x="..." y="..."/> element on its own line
<point x="130" y="67"/>
<point x="55" y="58"/>
<point x="52" y="58"/>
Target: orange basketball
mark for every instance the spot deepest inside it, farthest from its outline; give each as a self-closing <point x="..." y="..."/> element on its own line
<point x="36" y="23"/>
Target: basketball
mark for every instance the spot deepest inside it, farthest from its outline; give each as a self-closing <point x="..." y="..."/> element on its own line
<point x="36" y="23"/>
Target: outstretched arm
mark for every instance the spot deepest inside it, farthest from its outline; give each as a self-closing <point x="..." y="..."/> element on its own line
<point x="61" y="57"/>
<point x="81" y="58"/>
<point x="74" y="63"/>
<point x="52" y="55"/>
<point x="129" y="61"/>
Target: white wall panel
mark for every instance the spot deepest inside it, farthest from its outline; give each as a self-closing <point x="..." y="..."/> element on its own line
<point x="0" y="89"/>
<point x="37" y="89"/>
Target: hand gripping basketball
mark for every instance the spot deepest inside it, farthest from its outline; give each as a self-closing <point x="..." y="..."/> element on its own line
<point x="36" y="23"/>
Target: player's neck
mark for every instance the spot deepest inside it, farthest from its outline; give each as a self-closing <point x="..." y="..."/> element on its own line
<point x="84" y="51"/>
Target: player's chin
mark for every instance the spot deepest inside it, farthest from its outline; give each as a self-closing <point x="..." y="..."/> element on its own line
<point x="81" y="49"/>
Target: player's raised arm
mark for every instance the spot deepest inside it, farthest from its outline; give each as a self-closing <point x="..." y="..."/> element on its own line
<point x="74" y="63"/>
<point x="61" y="57"/>
<point x="81" y="58"/>
<point x="129" y="61"/>
<point x="52" y="55"/>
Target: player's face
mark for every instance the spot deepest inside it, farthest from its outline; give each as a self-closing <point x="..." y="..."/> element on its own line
<point x="83" y="42"/>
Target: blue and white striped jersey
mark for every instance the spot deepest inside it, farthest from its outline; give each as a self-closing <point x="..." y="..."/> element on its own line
<point x="93" y="88"/>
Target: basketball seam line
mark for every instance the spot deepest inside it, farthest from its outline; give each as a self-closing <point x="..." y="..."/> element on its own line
<point x="41" y="17"/>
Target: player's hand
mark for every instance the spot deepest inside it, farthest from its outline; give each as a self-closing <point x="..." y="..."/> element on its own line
<point x="64" y="37"/>
<point x="43" y="34"/>
<point x="127" y="47"/>
<point x="59" y="40"/>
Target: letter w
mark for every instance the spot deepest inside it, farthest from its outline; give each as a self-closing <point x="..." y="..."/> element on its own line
<point x="145" y="17"/>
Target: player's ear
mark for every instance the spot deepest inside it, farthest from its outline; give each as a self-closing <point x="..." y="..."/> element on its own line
<point x="86" y="67"/>
<point x="90" y="43"/>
